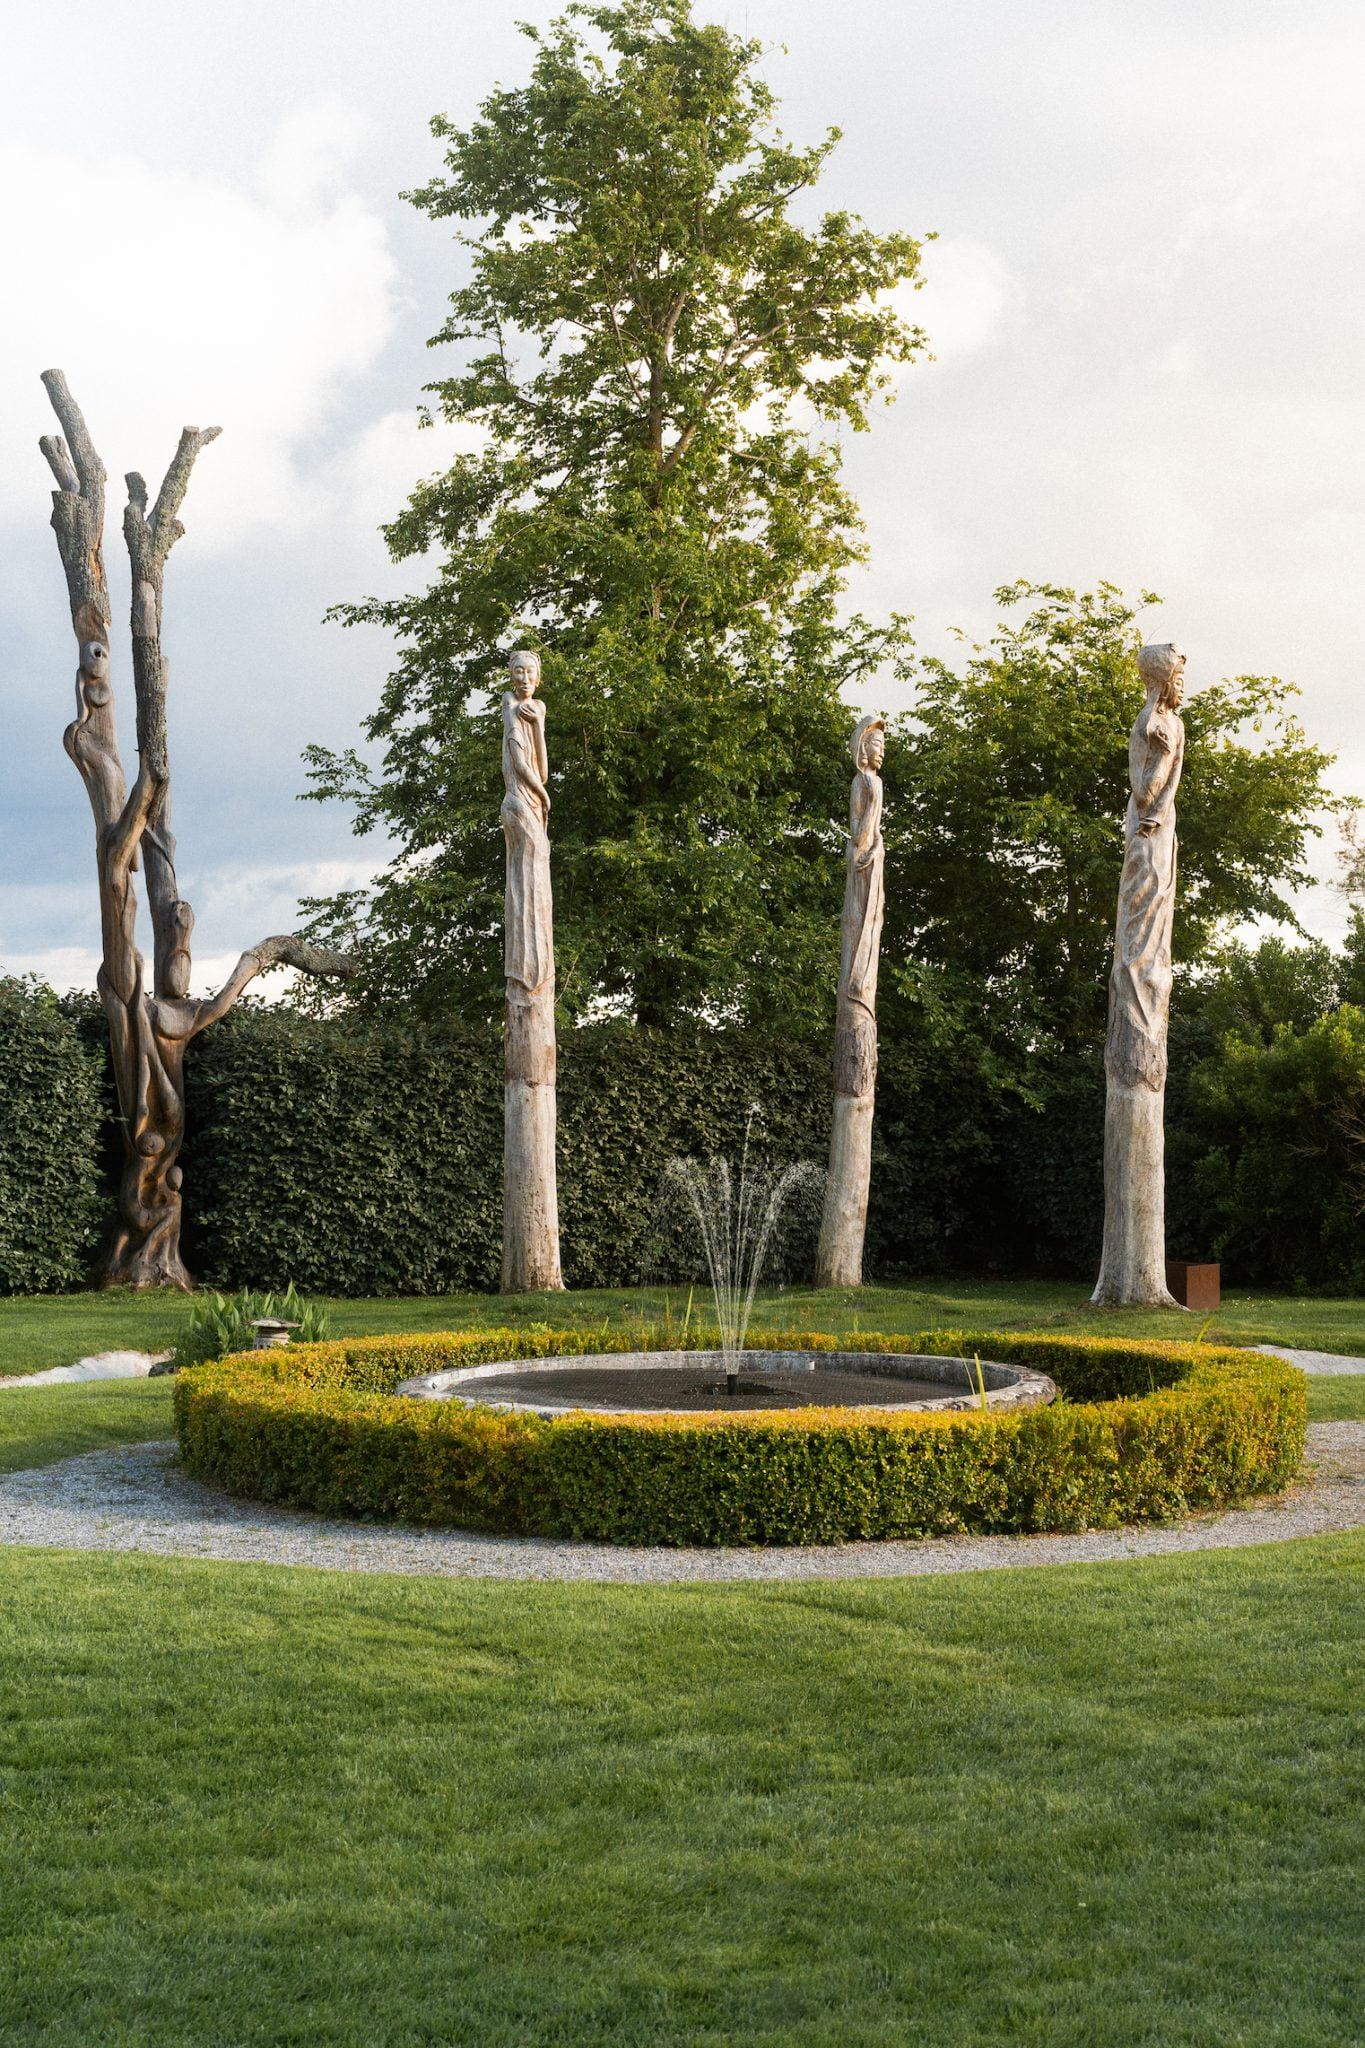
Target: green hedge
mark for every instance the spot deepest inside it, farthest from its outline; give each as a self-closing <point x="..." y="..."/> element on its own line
<point x="366" y="1158"/>
<point x="51" y="1115"/>
<point x="362" y="1157"/>
<point x="1144" y="1432"/>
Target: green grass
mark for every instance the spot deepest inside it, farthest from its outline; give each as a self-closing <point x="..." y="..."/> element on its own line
<point x="41" y="1424"/>
<point x="39" y="1331"/>
<point x="38" y="1425"/>
<point x="1089" y="1807"/>
<point x="1339" y="1399"/>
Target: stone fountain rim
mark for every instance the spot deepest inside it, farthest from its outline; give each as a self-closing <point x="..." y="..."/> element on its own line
<point x="1007" y="1386"/>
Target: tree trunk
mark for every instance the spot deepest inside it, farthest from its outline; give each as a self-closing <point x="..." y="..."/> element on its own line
<point x="1133" y="1262"/>
<point x="843" y="1227"/>
<point x="530" y="1195"/>
<point x="148" y="1028"/>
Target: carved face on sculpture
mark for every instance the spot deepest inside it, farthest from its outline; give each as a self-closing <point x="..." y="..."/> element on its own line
<point x="178" y="960"/>
<point x="523" y="669"/>
<point x="1162" y="668"/>
<point x="868" y="746"/>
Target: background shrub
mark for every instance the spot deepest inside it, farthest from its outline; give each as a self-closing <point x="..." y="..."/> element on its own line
<point x="51" y="1112"/>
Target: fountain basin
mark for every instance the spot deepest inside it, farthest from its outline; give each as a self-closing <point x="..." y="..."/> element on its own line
<point x="694" y="1382"/>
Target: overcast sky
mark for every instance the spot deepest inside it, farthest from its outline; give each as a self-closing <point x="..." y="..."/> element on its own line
<point x="1147" y="303"/>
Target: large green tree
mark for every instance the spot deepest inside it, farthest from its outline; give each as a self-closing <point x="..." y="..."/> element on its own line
<point x="658" y="331"/>
<point x="1006" y="792"/>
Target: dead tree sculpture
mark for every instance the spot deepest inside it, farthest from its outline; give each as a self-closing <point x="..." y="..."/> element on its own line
<point x="149" y="1028"/>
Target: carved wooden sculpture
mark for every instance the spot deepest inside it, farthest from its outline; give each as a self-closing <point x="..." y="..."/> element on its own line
<point x="149" y="1027"/>
<point x="530" y="1211"/>
<point x="1133" y="1267"/>
<point x="839" y="1262"/>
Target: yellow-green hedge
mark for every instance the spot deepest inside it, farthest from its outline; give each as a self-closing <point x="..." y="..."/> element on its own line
<point x="1144" y="1431"/>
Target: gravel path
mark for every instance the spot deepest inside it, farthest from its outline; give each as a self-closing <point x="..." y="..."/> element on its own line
<point x="138" y="1499"/>
<point x="1323" y="1364"/>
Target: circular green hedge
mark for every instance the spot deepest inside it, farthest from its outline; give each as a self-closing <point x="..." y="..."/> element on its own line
<point x="1142" y="1432"/>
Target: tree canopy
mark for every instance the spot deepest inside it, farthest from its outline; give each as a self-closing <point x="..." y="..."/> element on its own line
<point x="1006" y="791"/>
<point x="657" y="349"/>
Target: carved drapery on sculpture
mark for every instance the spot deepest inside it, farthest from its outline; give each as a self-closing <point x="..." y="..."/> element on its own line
<point x="855" y="1062"/>
<point x="840" y="1258"/>
<point x="528" y="928"/>
<point x="1140" y="983"/>
<point x="530" y="1228"/>
<point x="1133" y="1268"/>
<point x="149" y="1028"/>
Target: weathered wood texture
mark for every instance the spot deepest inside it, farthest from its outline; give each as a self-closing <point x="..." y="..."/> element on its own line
<point x="1133" y="1266"/>
<point x="843" y="1227"/>
<point x="530" y="1211"/>
<point x="149" y="1027"/>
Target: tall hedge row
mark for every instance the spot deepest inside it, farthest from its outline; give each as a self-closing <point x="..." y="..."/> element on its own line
<point x="365" y="1158"/>
<point x="51" y="1118"/>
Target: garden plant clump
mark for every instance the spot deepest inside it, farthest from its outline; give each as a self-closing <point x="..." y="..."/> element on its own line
<point x="222" y="1323"/>
<point x="1145" y="1431"/>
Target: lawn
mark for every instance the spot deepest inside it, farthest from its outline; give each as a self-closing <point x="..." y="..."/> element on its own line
<point x="43" y="1330"/>
<point x="40" y="1424"/>
<point x="1107" y="1806"/>
<point x="1082" y="1807"/>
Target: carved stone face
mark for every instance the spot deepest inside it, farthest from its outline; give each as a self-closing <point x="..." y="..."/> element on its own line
<point x="1162" y="668"/>
<point x="874" y="749"/>
<point x="523" y="669"/>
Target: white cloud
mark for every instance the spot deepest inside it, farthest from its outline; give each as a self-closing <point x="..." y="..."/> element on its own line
<point x="367" y="483"/>
<point x="235" y="907"/>
<point x="966" y="300"/>
<point x="179" y="297"/>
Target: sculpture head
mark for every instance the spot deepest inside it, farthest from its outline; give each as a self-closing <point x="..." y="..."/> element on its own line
<point x="523" y="669"/>
<point x="868" y="745"/>
<point x="1162" y="668"/>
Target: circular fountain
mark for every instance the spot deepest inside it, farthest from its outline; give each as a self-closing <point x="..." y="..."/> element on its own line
<point x="725" y="1382"/>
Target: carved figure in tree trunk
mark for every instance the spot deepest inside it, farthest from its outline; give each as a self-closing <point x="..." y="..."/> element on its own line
<point x="530" y="1222"/>
<point x="149" y="1026"/>
<point x="843" y="1227"/>
<point x="1133" y="1267"/>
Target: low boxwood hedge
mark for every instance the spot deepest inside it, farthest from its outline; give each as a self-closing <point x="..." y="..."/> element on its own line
<point x="1143" y="1432"/>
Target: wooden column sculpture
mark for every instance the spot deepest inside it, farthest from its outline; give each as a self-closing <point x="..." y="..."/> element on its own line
<point x="1133" y="1267"/>
<point x="530" y="1202"/>
<point x="844" y="1224"/>
<point x="149" y="1026"/>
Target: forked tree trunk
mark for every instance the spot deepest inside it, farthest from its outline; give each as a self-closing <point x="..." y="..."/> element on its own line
<point x="149" y="1027"/>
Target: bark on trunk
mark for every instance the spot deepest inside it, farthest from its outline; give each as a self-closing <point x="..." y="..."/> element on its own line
<point x="149" y="1028"/>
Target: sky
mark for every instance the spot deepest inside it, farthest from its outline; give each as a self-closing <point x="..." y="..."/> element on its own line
<point x="1146" y="303"/>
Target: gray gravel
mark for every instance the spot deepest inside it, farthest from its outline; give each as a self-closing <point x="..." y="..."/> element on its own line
<point x="1324" y="1364"/>
<point x="138" y="1499"/>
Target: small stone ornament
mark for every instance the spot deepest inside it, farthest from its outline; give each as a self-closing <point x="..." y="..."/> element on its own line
<point x="271" y="1331"/>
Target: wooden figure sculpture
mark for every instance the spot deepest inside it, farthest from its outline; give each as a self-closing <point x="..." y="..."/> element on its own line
<point x="1133" y="1266"/>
